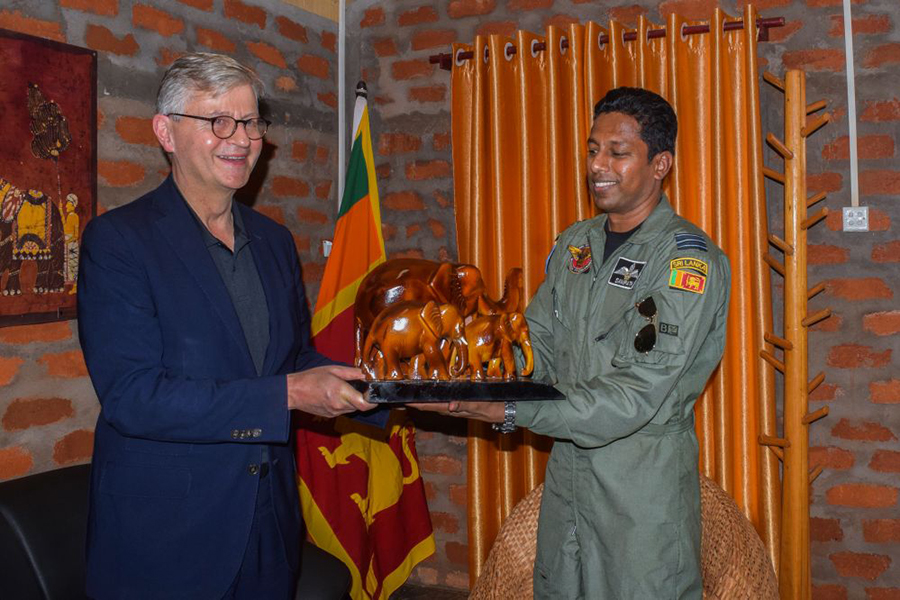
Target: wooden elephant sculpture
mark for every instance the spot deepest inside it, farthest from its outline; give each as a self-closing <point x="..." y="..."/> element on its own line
<point x="413" y="279"/>
<point x="491" y="339"/>
<point x="408" y="329"/>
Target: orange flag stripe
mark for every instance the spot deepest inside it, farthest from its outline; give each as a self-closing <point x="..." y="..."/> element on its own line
<point x="339" y="285"/>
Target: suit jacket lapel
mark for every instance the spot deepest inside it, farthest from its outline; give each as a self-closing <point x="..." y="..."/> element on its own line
<point x="180" y="229"/>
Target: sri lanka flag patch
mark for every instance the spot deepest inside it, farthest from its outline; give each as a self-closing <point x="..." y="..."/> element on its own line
<point x="688" y="274"/>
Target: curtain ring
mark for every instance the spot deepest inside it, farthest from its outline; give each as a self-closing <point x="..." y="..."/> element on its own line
<point x="486" y="54"/>
<point x="623" y="36"/>
<point x="683" y="34"/>
<point x="534" y="51"/>
<point x="600" y="43"/>
<point x="562" y="48"/>
<point x="506" y="51"/>
<point x="458" y="58"/>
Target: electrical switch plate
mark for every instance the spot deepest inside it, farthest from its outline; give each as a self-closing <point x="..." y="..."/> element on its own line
<point x="856" y="218"/>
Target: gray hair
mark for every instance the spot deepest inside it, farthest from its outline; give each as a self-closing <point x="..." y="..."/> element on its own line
<point x="202" y="72"/>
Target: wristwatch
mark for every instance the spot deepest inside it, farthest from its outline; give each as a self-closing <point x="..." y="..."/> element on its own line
<point x="509" y="419"/>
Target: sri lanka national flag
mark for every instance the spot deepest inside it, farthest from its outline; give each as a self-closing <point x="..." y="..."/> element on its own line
<point x="360" y="490"/>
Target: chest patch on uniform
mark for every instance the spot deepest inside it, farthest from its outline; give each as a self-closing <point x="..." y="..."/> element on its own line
<point x="668" y="329"/>
<point x="690" y="241"/>
<point x="690" y="264"/>
<point x="626" y="272"/>
<point x="683" y="279"/>
<point x="581" y="259"/>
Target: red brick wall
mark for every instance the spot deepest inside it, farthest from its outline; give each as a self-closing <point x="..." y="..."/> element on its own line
<point x="47" y="405"/>
<point x="855" y="528"/>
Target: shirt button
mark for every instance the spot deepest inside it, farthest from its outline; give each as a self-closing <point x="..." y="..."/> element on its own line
<point x="253" y="469"/>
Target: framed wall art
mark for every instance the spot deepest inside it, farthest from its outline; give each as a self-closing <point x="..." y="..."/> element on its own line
<point x="48" y="173"/>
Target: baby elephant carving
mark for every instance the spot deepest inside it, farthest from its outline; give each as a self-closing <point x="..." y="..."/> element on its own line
<point x="491" y="339"/>
<point x="407" y="329"/>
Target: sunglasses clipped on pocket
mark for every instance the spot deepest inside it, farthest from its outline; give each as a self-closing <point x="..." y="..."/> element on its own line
<point x="645" y="339"/>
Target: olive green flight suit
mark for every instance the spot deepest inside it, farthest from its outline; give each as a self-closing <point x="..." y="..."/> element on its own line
<point x="620" y="516"/>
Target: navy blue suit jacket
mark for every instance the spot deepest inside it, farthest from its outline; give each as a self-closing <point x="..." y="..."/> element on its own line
<point x="184" y="415"/>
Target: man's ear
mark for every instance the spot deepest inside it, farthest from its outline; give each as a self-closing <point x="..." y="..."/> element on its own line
<point x="162" y="127"/>
<point x="662" y="164"/>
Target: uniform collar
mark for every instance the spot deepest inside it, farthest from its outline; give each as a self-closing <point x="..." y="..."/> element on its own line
<point x="651" y="227"/>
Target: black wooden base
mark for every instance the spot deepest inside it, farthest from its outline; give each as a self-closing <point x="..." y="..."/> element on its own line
<point x="403" y="391"/>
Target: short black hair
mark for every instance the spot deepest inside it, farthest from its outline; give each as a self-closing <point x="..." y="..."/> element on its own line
<point x="659" y="125"/>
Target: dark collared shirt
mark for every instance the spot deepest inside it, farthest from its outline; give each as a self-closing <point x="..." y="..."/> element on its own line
<point x="238" y="271"/>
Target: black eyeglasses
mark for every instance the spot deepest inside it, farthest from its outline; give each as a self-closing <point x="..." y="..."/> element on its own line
<point x="223" y="126"/>
<point x="645" y="339"/>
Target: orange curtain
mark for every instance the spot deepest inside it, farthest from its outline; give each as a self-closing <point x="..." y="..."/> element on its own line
<point x="520" y="121"/>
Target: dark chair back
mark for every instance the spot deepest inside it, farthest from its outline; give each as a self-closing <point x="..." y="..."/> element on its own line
<point x="43" y="526"/>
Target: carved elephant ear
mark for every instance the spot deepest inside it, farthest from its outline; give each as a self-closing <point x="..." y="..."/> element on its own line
<point x="443" y="283"/>
<point x="431" y="317"/>
<point x="512" y="291"/>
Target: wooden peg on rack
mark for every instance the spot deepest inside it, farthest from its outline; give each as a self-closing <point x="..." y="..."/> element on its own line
<point x="816" y="317"/>
<point x="816" y="106"/>
<point x="781" y="244"/>
<point x="810" y="221"/>
<point x="815" y="124"/>
<point x="773" y="174"/>
<point x="815" y="416"/>
<point x="814" y="199"/>
<point x="774" y="80"/>
<point x="815" y="382"/>
<point x="815" y="290"/>
<point x="770" y="358"/>
<point x="779" y="268"/>
<point x="768" y="440"/>
<point x="779" y="146"/>
<point x="815" y="473"/>
<point x="777" y="341"/>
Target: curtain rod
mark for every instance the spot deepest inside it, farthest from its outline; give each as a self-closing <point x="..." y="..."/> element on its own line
<point x="446" y="59"/>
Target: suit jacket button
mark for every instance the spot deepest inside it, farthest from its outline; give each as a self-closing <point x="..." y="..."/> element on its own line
<point x="235" y="434"/>
<point x="256" y="433"/>
<point x="253" y="469"/>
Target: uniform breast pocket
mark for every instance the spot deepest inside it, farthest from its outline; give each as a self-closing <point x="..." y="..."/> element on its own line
<point x="649" y="336"/>
<point x="562" y="339"/>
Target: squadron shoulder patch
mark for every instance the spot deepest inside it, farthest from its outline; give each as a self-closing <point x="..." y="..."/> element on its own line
<point x="626" y="272"/>
<point x="690" y="264"/>
<point x="581" y="259"/>
<point x="690" y="241"/>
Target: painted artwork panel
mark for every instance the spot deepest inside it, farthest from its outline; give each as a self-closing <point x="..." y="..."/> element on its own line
<point x="48" y="173"/>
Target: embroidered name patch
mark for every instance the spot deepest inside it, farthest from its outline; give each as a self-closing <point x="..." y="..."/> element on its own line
<point x="688" y="281"/>
<point x="690" y="264"/>
<point x="626" y="272"/>
<point x="690" y="241"/>
<point x="581" y="259"/>
<point x="668" y="329"/>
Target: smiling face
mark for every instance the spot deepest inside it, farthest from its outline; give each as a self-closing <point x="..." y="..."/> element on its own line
<point x="203" y="165"/>
<point x="622" y="182"/>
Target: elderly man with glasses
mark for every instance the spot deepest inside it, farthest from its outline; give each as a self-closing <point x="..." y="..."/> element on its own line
<point x="195" y="331"/>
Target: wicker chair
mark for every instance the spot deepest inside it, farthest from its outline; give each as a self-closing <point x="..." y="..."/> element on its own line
<point x="733" y="559"/>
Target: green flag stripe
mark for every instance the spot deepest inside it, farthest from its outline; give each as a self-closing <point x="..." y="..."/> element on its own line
<point x="356" y="185"/>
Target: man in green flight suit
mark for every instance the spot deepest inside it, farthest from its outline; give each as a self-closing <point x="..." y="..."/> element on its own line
<point x="628" y="324"/>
